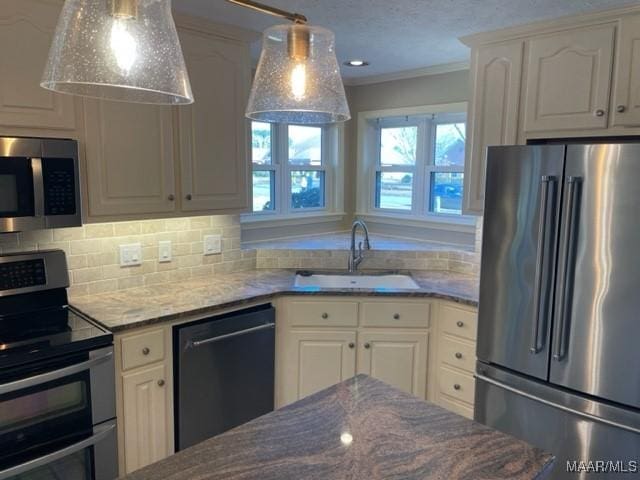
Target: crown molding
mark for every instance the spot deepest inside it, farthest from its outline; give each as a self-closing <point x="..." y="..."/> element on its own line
<point x="406" y="74"/>
<point x="548" y="26"/>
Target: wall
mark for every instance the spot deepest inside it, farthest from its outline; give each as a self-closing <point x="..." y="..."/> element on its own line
<point x="93" y="251"/>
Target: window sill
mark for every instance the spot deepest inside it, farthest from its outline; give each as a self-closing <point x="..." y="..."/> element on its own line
<point x="465" y="223"/>
<point x="251" y="222"/>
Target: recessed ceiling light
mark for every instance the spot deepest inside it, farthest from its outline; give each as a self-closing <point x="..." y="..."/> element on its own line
<point x="356" y="63"/>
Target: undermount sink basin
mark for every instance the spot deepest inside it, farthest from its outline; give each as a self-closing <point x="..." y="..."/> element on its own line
<point x="345" y="281"/>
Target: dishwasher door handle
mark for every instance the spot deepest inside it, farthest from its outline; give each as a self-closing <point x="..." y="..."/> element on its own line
<point x="219" y="338"/>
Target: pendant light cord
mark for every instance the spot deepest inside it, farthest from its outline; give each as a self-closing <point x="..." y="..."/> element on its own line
<point x="260" y="7"/>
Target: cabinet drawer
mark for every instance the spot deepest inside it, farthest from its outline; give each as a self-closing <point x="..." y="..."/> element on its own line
<point x="462" y="323"/>
<point x="329" y="313"/>
<point x="457" y="385"/>
<point x="458" y="354"/>
<point x="142" y="349"/>
<point x="395" y="314"/>
<point x="460" y="408"/>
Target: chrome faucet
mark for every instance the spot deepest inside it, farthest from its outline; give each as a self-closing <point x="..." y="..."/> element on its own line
<point x="356" y="259"/>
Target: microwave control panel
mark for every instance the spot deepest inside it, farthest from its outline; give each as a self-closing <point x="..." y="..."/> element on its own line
<point x="59" y="186"/>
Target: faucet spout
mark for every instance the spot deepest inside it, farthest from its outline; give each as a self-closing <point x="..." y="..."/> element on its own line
<point x="355" y="258"/>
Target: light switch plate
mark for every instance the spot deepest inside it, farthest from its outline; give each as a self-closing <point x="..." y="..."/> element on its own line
<point x="212" y="244"/>
<point x="130" y="254"/>
<point x="164" y="251"/>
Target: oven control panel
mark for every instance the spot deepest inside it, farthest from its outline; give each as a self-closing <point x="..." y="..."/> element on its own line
<point x="22" y="274"/>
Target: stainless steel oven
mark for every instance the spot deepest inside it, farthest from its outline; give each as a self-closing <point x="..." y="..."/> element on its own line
<point x="39" y="184"/>
<point x="57" y="378"/>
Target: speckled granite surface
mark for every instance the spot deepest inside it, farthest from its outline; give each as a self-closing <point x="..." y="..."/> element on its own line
<point x="137" y="307"/>
<point x="359" y="429"/>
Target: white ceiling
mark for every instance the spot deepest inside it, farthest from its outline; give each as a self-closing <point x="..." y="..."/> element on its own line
<point x="399" y="35"/>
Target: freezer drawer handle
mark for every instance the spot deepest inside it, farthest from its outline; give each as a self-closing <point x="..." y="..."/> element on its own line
<point x="54" y="375"/>
<point x="197" y="343"/>
<point x="100" y="433"/>
<point x="564" y="301"/>
<point x="556" y="405"/>
<point x="539" y="315"/>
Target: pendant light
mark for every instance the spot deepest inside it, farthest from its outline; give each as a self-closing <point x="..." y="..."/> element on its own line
<point x="298" y="78"/>
<point x="125" y="50"/>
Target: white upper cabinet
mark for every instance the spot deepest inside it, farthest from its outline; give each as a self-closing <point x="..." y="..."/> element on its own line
<point x="493" y="119"/>
<point x="568" y="79"/>
<point x="213" y="131"/>
<point x="625" y="101"/>
<point x="26" y="30"/>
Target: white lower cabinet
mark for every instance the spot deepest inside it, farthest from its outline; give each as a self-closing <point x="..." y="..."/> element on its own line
<point x="397" y="358"/>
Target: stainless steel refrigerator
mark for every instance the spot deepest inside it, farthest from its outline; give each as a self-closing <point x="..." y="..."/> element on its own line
<point x="559" y="313"/>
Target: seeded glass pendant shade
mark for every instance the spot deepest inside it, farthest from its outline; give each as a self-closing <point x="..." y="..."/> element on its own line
<point x="298" y="78"/>
<point x="126" y="50"/>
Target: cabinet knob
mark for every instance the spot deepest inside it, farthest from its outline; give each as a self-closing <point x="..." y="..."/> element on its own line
<point x="161" y="383"/>
<point x="367" y="345"/>
<point x="396" y="316"/>
<point x="458" y="355"/>
<point x="620" y="108"/>
<point x="146" y="351"/>
<point x="325" y="315"/>
<point x="171" y="197"/>
<point x="352" y="345"/>
<point x="189" y="197"/>
<point x="456" y="386"/>
<point x="460" y="323"/>
<point x="599" y="112"/>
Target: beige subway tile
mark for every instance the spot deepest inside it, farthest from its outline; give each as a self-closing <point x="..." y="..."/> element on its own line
<point x="152" y="226"/>
<point x="177" y="224"/>
<point x="167" y="236"/>
<point x="65" y="246"/>
<point x="75" y="262"/>
<point x="197" y="248"/>
<point x="78" y="290"/>
<point x="115" y="271"/>
<point x="180" y="249"/>
<point x="103" y="286"/>
<point x="231" y="255"/>
<point x="189" y="236"/>
<point x="166" y="266"/>
<point x="130" y="282"/>
<point x="127" y="228"/>
<point x="202" y="271"/>
<point x="36" y="236"/>
<point x="98" y="230"/>
<point x="155" y="278"/>
<point x="86" y="275"/>
<point x="223" y="220"/>
<point x="212" y="259"/>
<point x="189" y="261"/>
<point x="231" y="231"/>
<point x="150" y="253"/>
<point x="73" y="233"/>
<point x="149" y="240"/>
<point x="179" y="275"/>
<point x="79" y="247"/>
<point x="267" y="263"/>
<point x="200" y="223"/>
<point x="21" y="247"/>
<point x="103" y="258"/>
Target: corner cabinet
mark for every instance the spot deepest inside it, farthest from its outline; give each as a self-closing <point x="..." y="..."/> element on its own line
<point x="145" y="161"/>
<point x="214" y="164"/>
<point x="493" y="119"/>
<point x="26" y="109"/>
<point x="625" y="103"/>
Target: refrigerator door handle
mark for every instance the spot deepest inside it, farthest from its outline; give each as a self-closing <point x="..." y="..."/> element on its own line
<point x="568" y="247"/>
<point x="555" y="405"/>
<point x="541" y="285"/>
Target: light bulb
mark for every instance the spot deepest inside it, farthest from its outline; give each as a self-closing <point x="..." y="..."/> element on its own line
<point x="299" y="81"/>
<point x="123" y="45"/>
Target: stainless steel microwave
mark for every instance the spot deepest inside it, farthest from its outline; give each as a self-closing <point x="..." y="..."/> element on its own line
<point x="39" y="184"/>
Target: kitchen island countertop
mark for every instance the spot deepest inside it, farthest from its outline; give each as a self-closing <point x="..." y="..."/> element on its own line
<point x="137" y="307"/>
<point x="359" y="429"/>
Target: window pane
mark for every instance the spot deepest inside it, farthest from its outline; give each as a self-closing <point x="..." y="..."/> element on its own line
<point x="261" y="143"/>
<point x="398" y="145"/>
<point x="394" y="190"/>
<point x="446" y="193"/>
<point x="263" y="191"/>
<point x="305" y="145"/>
<point x="450" y="138"/>
<point x="307" y="189"/>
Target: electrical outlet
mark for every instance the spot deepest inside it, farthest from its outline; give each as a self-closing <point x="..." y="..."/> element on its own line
<point x="164" y="251"/>
<point x="212" y="244"/>
<point x="130" y="255"/>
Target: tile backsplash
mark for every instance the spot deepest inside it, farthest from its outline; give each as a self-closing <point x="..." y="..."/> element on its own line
<point x="93" y="251"/>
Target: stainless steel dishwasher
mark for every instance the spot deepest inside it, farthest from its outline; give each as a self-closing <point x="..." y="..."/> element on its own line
<point x="223" y="373"/>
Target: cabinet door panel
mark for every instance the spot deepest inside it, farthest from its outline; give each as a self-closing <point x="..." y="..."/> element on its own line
<point x="568" y="80"/>
<point x="493" y="118"/>
<point x="129" y="157"/>
<point x="26" y="30"/>
<point x="626" y="94"/>
<point x="399" y="359"/>
<point x="314" y="360"/>
<point x="145" y="402"/>
<point x="213" y="151"/>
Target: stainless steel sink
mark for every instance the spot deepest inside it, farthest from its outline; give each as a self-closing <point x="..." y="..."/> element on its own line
<point x="393" y="281"/>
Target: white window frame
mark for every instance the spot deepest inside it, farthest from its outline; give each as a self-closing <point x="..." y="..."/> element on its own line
<point x="369" y="124"/>
<point x="331" y="165"/>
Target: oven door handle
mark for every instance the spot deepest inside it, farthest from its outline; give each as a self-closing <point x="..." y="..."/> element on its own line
<point x="100" y="432"/>
<point x="54" y="374"/>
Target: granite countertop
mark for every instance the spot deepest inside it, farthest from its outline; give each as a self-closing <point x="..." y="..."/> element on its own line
<point x="137" y="307"/>
<point x="358" y="429"/>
